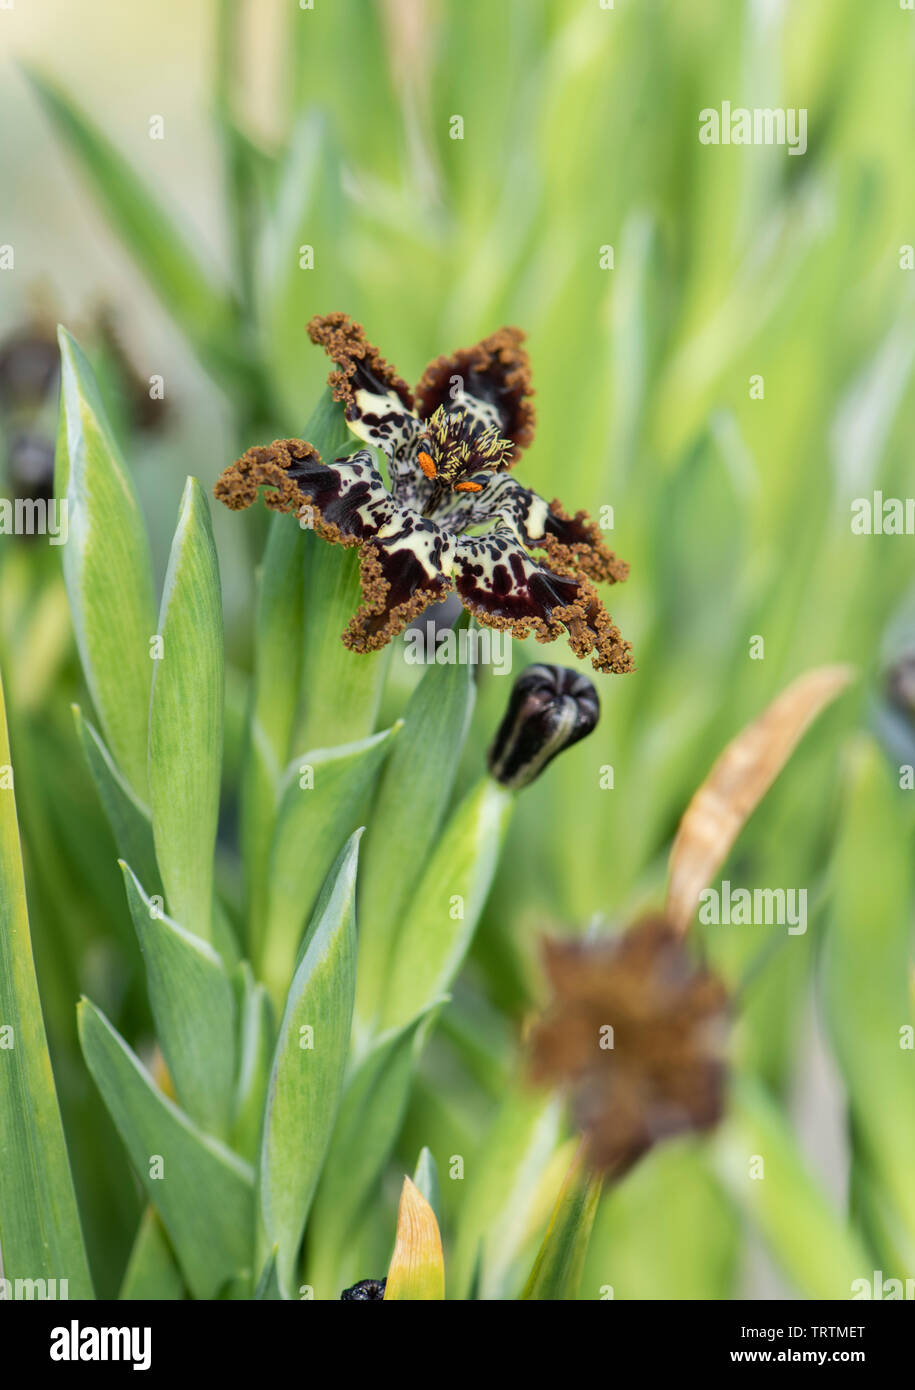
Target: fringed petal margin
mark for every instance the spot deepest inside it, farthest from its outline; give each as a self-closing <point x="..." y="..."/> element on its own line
<point x="490" y="381"/>
<point x="504" y="587"/>
<point x="344" y="502"/>
<point x="378" y="404"/>
<point x="400" y="576"/>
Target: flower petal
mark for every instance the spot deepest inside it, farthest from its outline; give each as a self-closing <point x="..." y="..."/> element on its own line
<point x="378" y="404"/>
<point x="403" y="570"/>
<point x="569" y="541"/>
<point x="491" y="382"/>
<point x="348" y="499"/>
<point x="503" y="586"/>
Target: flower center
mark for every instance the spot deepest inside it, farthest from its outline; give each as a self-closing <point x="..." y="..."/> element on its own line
<point x="455" y="446"/>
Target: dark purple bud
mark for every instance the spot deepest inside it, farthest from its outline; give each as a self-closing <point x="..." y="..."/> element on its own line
<point x="549" y="709"/>
<point x="369" y="1291"/>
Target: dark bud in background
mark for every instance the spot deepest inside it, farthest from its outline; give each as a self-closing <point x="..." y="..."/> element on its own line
<point x="900" y="686"/>
<point x="29" y="367"/>
<point x="369" y="1291"/>
<point x="549" y="709"/>
<point x="30" y="464"/>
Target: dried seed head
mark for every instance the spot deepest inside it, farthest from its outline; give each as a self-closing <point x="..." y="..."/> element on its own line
<point x="549" y="709"/>
<point x="635" y="1033"/>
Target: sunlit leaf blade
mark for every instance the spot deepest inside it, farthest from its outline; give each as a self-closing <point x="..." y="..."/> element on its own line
<point x="40" y="1236"/>
<point x="368" y="1122"/>
<point x="152" y="1271"/>
<point x="106" y="567"/>
<point x="867" y="974"/>
<point x="736" y="784"/>
<point x="413" y="795"/>
<point x="185" y="718"/>
<point x="203" y="1193"/>
<point x="175" y="273"/>
<point x="783" y="1198"/>
<point x="129" y="821"/>
<point x="193" y="1005"/>
<point x="306" y="1079"/>
<point x="417" y="1268"/>
<point x="323" y="799"/>
<point x="442" y="915"/>
<point x="500" y="1193"/>
<point x="557" y="1269"/>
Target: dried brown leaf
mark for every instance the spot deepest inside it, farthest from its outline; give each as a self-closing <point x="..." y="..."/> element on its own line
<point x="737" y="783"/>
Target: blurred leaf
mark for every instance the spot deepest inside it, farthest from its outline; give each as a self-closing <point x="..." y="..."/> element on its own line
<point x="194" y="1008"/>
<point x="321" y="814"/>
<point x="152" y="1272"/>
<point x="201" y="1190"/>
<point x="867" y="977"/>
<point x="268" y="1285"/>
<point x="557" y="1269"/>
<point x="501" y="1185"/>
<point x="413" y="795"/>
<point x="442" y="915"/>
<point x="106" y="567"/>
<point x="807" y="1238"/>
<point x="417" y="1268"/>
<point x="40" y="1236"/>
<point x="368" y="1122"/>
<point x="129" y="821"/>
<point x="203" y="311"/>
<point x="185" y="718"/>
<point x="306" y="1080"/>
<point x="739" y="780"/>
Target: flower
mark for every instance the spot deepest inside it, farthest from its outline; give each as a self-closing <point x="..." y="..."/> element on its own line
<point x="549" y="709"/>
<point x="635" y="1033"/>
<point x="367" y="1291"/>
<point x="448" y="449"/>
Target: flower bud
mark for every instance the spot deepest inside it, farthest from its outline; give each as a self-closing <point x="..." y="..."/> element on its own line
<point x="549" y="709"/>
<point x="368" y="1291"/>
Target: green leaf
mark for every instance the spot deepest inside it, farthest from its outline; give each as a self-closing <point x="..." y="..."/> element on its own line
<point x="185" y="719"/>
<point x="368" y="1123"/>
<point x="805" y="1235"/>
<point x="201" y="1190"/>
<point x="494" y="1218"/>
<point x="204" y="312"/>
<point x="129" y="821"/>
<point x="193" y="1005"/>
<point x="557" y="1269"/>
<point x="106" y="567"/>
<point x="40" y="1236"/>
<point x="442" y="915"/>
<point x="152" y="1271"/>
<point x="413" y="795"/>
<point x="867" y="973"/>
<point x="425" y="1180"/>
<point x="306" y="1079"/>
<point x="268" y="1285"/>
<point x="258" y="1037"/>
<point x="321" y="814"/>
<point x="274" y="696"/>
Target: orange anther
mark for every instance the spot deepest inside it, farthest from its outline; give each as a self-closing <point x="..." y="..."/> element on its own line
<point x="468" y="487"/>
<point x="426" y="463"/>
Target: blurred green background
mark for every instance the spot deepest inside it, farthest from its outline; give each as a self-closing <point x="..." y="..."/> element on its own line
<point x="330" y="128"/>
